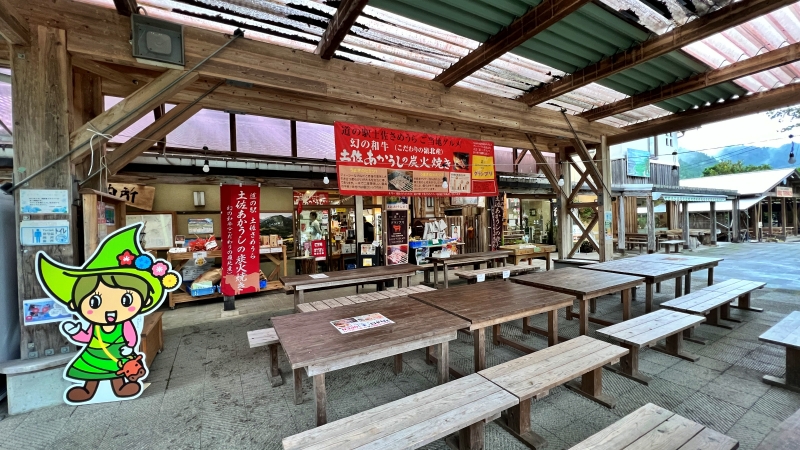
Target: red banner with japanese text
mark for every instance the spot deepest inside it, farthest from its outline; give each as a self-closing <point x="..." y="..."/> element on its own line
<point x="240" y="239"/>
<point x="382" y="161"/>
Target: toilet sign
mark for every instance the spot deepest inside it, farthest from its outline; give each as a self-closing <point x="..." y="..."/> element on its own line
<point x="44" y="232"/>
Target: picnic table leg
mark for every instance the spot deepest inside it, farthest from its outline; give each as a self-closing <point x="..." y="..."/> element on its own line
<point x="398" y="364"/>
<point x="710" y="276"/>
<point x="443" y="363"/>
<point x="678" y="287"/>
<point x="648" y="297"/>
<point x="584" y="325"/>
<point x="320" y="399"/>
<point x="792" y="379"/>
<point x="275" y="373"/>
<point x="517" y="421"/>
<point x="591" y="387"/>
<point x="628" y="366"/>
<point x="549" y="261"/>
<point x="445" y="275"/>
<point x="674" y="347"/>
<point x="593" y="305"/>
<point x="400" y="282"/>
<point x="479" y="344"/>
<point x="744" y="303"/>
<point x="626" y="304"/>
<point x="435" y="276"/>
<point x="298" y="386"/>
<point x="687" y="285"/>
<point x="552" y="327"/>
<point x="658" y="287"/>
<point x="298" y="297"/>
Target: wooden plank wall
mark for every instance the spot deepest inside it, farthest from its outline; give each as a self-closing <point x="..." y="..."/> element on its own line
<point x="660" y="174"/>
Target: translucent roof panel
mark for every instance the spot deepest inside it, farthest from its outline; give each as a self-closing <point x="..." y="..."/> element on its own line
<point x="206" y="128"/>
<point x="263" y="135"/>
<point x="5" y="110"/>
<point x="315" y="141"/>
<point x="137" y="126"/>
<point x="503" y="159"/>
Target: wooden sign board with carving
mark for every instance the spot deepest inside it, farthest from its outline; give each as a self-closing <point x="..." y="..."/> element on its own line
<point x="136" y="195"/>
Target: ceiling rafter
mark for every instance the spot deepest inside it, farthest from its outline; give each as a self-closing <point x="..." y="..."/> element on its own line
<point x="12" y="26"/>
<point x="750" y="66"/>
<point x="126" y="7"/>
<point x="751" y="104"/>
<point x="533" y="22"/>
<point x="712" y="23"/>
<point x="338" y="27"/>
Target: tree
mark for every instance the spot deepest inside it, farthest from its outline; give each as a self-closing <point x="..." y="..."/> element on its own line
<point x="790" y="115"/>
<point x="729" y="167"/>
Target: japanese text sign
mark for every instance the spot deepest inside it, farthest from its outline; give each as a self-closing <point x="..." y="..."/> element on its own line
<point x="382" y="161"/>
<point x="134" y="194"/>
<point x="310" y="197"/>
<point x="240" y="239"/>
<point x="319" y="250"/>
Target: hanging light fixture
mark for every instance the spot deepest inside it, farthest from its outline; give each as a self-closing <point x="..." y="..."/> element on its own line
<point x="206" y="168"/>
<point x="792" y="160"/>
<point x="444" y="182"/>
<point x="325" y="179"/>
<point x="674" y="161"/>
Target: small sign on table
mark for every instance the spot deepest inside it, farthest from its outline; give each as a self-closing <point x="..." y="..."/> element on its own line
<point x="359" y="323"/>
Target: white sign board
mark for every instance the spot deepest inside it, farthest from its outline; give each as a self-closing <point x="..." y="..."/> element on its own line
<point x="481" y="277"/>
<point x="44" y="232"/>
<point x="506" y="274"/>
<point x="44" y="201"/>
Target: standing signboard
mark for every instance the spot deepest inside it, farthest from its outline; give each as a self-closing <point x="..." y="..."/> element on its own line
<point x="382" y="161"/>
<point x="240" y="239"/>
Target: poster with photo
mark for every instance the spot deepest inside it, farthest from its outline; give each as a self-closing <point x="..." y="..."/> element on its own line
<point x="358" y="323"/>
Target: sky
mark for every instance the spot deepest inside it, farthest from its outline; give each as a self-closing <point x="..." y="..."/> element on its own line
<point x="755" y="129"/>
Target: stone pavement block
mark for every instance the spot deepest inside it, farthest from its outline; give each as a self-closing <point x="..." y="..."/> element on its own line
<point x="726" y="392"/>
<point x="772" y="409"/>
<point x="709" y="411"/>
<point x="782" y="396"/>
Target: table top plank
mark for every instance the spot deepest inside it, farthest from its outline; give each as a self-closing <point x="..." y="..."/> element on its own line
<point x="650" y="270"/>
<point x="309" y="338"/>
<point x="578" y="282"/>
<point x="494" y="302"/>
<point x="627" y="430"/>
<point x="670" y="435"/>
<point x="709" y="439"/>
<point x="785" y="333"/>
<point x="344" y="276"/>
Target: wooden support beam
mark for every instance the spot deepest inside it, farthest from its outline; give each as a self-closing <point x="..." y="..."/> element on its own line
<point x="708" y="25"/>
<point x="758" y="63"/>
<point x="750" y="104"/>
<point x="338" y="27"/>
<point x="213" y="179"/>
<point x="111" y="74"/>
<point x="126" y="7"/>
<point x="13" y="27"/>
<point x="586" y="233"/>
<point x="621" y="224"/>
<point x="521" y="155"/>
<point x="129" y="110"/>
<point x="87" y="103"/>
<point x="145" y="139"/>
<point x="533" y="22"/>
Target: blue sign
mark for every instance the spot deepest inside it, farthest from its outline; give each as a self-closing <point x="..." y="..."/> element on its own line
<point x="44" y="232"/>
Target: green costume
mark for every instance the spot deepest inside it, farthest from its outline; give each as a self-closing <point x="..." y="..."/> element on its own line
<point x="94" y="363"/>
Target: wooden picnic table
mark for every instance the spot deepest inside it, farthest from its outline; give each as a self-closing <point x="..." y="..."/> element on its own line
<point x="490" y="304"/>
<point x="527" y="252"/>
<point x="786" y="333"/>
<point x="586" y="286"/>
<point x="694" y="263"/>
<point x="653" y="272"/>
<point x="674" y="242"/>
<point x="465" y="259"/>
<point x="297" y="284"/>
<point x="313" y="344"/>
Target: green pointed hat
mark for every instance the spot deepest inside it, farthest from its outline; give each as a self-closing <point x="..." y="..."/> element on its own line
<point x="118" y="254"/>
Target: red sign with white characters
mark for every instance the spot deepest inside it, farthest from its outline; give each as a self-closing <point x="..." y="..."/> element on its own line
<point x="310" y="198"/>
<point x="382" y="161"/>
<point x="240" y="239"/>
<point x="319" y="250"/>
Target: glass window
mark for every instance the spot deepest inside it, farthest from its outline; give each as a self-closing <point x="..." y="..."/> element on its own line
<point x="206" y="128"/>
<point x="263" y="135"/>
<point x="315" y="141"/>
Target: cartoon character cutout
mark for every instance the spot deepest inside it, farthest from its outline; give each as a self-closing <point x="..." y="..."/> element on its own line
<point x="113" y="290"/>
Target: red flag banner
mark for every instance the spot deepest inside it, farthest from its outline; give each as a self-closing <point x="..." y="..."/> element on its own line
<point x="240" y="239"/>
<point x="382" y="161"/>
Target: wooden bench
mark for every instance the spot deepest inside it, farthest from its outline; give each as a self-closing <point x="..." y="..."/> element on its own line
<point x="462" y="406"/>
<point x="533" y="375"/>
<point x="476" y="276"/>
<point x="645" y="331"/>
<point x="268" y="337"/>
<point x="745" y="287"/>
<point x="714" y="301"/>
<point x="361" y="298"/>
<point x="677" y="243"/>
<point x="786" y="333"/>
<point x="785" y="436"/>
<point x="152" y="336"/>
<point x="653" y="427"/>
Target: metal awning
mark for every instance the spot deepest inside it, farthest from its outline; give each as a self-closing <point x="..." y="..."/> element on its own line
<point x="688" y="197"/>
<point x="744" y="204"/>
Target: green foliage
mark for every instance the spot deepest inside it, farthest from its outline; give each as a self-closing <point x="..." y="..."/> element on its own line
<point x="789" y="116"/>
<point x="729" y="167"/>
<point x="693" y="163"/>
<point x="586" y="215"/>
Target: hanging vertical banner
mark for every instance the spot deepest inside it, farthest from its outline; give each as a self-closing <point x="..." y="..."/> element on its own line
<point x="382" y="161"/>
<point x="397" y="237"/>
<point x="240" y="239"/>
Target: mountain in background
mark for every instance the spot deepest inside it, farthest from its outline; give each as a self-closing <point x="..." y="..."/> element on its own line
<point x="693" y="163"/>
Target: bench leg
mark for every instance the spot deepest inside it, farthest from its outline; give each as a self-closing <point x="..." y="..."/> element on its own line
<point x="584" y="324"/>
<point x="626" y="304"/>
<point x="443" y="363"/>
<point x="628" y="366"/>
<point x="713" y="318"/>
<point x="674" y="347"/>
<point x="320" y="399"/>
<point x="725" y="313"/>
<point x="298" y="298"/>
<point x="688" y="335"/>
<point x="658" y="287"/>
<point x="275" y="373"/>
<point x="792" y="379"/>
<point x="446" y="285"/>
<point x="687" y="285"/>
<point x="648" y="297"/>
<point x="470" y="438"/>
<point x="591" y="387"/>
<point x="517" y="421"/>
<point x="593" y="305"/>
<point x="298" y="386"/>
<point x="710" y="276"/>
<point x="744" y="303"/>
<point x="398" y="364"/>
<point x="479" y="345"/>
<point x="426" y="276"/>
<point x="678" y="287"/>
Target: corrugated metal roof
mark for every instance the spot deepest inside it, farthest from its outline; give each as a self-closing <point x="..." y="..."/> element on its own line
<point x="749" y="183"/>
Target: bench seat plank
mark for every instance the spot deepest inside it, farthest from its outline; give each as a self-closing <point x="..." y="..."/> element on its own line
<point x="259" y="338"/>
<point x="647" y="330"/>
<point x="411" y="421"/>
<point x="627" y="430"/>
<point x="700" y="302"/>
<point x="785" y="333"/>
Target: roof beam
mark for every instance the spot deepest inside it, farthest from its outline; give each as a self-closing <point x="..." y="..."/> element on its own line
<point x="338" y="27"/>
<point x="12" y="26"/>
<point x="758" y="63"/>
<point x="712" y="23"/>
<point x="126" y="7"/>
<point x="751" y="104"/>
<point x="533" y="22"/>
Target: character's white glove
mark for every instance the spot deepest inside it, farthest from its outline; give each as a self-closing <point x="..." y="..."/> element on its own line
<point x="125" y="350"/>
<point x="71" y="328"/>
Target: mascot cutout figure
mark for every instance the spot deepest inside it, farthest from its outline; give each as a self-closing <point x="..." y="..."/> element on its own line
<point x="118" y="285"/>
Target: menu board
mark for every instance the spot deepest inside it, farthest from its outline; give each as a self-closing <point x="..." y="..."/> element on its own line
<point x="240" y="239"/>
<point x="382" y="161"/>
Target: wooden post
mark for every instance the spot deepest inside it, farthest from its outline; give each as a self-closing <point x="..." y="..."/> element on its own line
<point x="685" y="225"/>
<point x="564" y="219"/>
<point x="41" y="85"/>
<point x="621" y="223"/>
<point x="795" y="224"/>
<point x="651" y="226"/>
<point x="769" y="215"/>
<point x="713" y="206"/>
<point x="783" y="216"/>
<point x="735" y="219"/>
<point x="87" y="103"/>
<point x="605" y="241"/>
